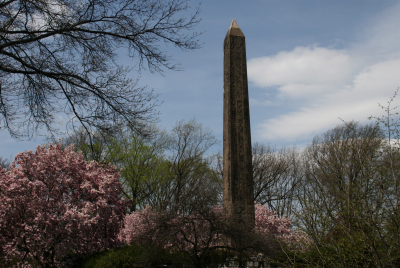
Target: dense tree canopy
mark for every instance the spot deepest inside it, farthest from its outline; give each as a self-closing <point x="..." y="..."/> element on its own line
<point x="342" y="191"/>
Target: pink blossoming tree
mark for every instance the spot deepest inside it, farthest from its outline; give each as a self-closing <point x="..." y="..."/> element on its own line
<point x="196" y="235"/>
<point x="267" y="223"/>
<point x="199" y="234"/>
<point x="54" y="204"/>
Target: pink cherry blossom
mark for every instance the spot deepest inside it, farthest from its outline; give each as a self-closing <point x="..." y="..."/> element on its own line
<point x="54" y="204"/>
<point x="267" y="223"/>
<point x="198" y="232"/>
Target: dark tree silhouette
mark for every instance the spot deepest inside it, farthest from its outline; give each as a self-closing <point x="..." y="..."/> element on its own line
<point x="59" y="56"/>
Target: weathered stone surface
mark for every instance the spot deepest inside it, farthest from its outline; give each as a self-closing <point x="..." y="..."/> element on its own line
<point x="237" y="171"/>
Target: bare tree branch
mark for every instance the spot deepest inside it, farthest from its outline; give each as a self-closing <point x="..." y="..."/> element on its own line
<point x="58" y="57"/>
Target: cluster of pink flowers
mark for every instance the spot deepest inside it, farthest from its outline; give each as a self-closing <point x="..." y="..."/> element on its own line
<point x="199" y="232"/>
<point x="267" y="223"/>
<point x="196" y="231"/>
<point x="136" y="224"/>
<point x="54" y="204"/>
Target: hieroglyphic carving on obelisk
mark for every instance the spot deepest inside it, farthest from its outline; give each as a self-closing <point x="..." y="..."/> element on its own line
<point x="237" y="156"/>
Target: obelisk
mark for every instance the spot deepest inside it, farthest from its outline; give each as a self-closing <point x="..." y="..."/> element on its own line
<point x="237" y="156"/>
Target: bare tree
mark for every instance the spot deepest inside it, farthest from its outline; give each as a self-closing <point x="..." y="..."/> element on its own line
<point x="276" y="174"/>
<point x="59" y="56"/>
<point x="5" y="163"/>
<point x="93" y="146"/>
<point x="192" y="180"/>
<point x="348" y="201"/>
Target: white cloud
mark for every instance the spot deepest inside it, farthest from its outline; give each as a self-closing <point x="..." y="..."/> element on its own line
<point x="303" y="65"/>
<point x="324" y="84"/>
<point x="303" y="71"/>
<point x="306" y="121"/>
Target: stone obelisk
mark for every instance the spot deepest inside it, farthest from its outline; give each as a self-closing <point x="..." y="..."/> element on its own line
<point x="237" y="156"/>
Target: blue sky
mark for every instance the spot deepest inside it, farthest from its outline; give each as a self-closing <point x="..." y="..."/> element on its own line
<point x="309" y="64"/>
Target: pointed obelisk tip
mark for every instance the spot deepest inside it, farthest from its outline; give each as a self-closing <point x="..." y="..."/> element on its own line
<point x="234" y="29"/>
<point x="234" y="24"/>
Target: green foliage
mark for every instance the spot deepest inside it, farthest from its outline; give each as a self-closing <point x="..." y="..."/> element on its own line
<point x="140" y="159"/>
<point x="167" y="171"/>
<point x="142" y="164"/>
